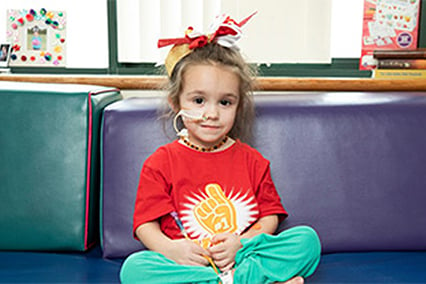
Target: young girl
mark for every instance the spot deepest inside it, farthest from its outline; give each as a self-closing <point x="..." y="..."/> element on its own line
<point x="206" y="206"/>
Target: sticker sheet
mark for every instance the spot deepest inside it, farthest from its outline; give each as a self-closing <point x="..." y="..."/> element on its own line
<point x="388" y="24"/>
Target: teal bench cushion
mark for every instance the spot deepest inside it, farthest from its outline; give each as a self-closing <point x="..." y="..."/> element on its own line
<point x="49" y="164"/>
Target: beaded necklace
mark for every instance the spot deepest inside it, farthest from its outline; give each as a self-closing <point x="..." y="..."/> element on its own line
<point x="202" y="149"/>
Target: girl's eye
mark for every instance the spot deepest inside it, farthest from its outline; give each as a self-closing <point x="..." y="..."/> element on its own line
<point x="225" y="102"/>
<point x="198" y="100"/>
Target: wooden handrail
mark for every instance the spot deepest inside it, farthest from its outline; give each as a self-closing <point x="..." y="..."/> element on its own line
<point x="127" y="82"/>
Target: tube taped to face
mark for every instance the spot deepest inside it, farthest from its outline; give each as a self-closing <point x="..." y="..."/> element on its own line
<point x="187" y="115"/>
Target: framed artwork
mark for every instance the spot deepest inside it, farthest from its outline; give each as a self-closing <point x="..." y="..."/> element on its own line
<point x="5" y="54"/>
<point x="37" y="37"/>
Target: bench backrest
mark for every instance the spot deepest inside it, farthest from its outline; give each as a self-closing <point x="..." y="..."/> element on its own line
<point x="351" y="165"/>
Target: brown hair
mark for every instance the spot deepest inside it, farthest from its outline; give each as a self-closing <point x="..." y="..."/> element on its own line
<point x="214" y="54"/>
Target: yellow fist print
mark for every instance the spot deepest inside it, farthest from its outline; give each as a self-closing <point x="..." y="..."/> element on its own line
<point x="216" y="213"/>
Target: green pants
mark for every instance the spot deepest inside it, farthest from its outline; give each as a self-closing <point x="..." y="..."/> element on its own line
<point x="262" y="259"/>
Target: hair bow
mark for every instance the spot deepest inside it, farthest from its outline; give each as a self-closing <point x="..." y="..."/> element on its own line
<point x="224" y="31"/>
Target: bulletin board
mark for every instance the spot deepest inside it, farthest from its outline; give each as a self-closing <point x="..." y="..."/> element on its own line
<point x="38" y="37"/>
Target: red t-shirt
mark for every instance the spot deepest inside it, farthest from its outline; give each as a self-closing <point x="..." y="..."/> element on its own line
<point x="225" y="191"/>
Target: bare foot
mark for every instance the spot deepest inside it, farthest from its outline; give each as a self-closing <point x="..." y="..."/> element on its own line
<point x="294" y="280"/>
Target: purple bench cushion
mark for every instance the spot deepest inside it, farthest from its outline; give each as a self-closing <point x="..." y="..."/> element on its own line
<point x="353" y="171"/>
<point x="351" y="165"/>
<point x="131" y="132"/>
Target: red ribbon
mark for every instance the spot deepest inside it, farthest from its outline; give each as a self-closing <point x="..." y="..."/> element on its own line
<point x="194" y="42"/>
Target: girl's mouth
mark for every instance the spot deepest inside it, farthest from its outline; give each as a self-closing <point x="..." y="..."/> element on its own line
<point x="210" y="126"/>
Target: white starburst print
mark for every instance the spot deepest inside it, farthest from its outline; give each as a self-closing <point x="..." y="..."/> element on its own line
<point x="212" y="212"/>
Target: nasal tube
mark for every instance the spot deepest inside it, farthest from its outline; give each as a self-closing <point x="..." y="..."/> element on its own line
<point x="193" y="115"/>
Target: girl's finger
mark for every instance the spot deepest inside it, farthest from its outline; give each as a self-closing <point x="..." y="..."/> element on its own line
<point x="227" y="267"/>
<point x="217" y="248"/>
<point x="219" y="256"/>
<point x="199" y="260"/>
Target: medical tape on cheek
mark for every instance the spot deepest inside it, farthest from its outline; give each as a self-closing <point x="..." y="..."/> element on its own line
<point x="194" y="115"/>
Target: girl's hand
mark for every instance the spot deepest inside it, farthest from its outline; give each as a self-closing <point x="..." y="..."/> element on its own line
<point x="187" y="252"/>
<point x="224" y="249"/>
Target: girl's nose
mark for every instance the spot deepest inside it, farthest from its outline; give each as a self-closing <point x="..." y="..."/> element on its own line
<point x="211" y="112"/>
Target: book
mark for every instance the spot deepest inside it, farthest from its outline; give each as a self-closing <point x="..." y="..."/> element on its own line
<point x="399" y="73"/>
<point x="397" y="63"/>
<point x="417" y="53"/>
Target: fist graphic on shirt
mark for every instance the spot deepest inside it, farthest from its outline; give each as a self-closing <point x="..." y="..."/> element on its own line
<point x="216" y="213"/>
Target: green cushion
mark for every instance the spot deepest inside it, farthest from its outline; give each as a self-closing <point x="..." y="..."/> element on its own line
<point x="49" y="164"/>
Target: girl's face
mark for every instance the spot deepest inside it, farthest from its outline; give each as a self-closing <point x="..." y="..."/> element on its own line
<point x="214" y="92"/>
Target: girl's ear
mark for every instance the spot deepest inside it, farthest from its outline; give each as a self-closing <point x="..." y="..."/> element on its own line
<point x="172" y="105"/>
